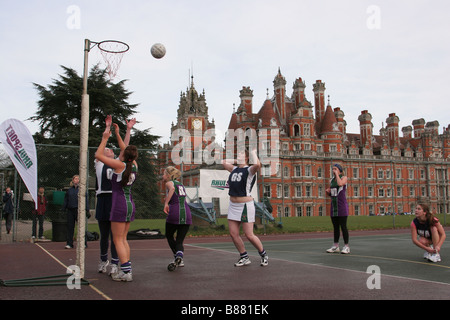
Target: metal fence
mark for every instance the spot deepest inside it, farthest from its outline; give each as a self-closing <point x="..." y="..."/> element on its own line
<point x="56" y="167"/>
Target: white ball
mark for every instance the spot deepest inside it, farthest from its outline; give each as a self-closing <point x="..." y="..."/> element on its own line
<point x="158" y="50"/>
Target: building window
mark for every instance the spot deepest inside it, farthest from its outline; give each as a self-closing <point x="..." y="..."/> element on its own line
<point x="299" y="211"/>
<point x="296" y="130"/>
<point x="388" y="193"/>
<point x="355" y="172"/>
<point x="370" y="191"/>
<point x="286" y="172"/>
<point x="398" y="175"/>
<point x="380" y="174"/>
<point x="267" y="191"/>
<point x="399" y="191"/>
<point x="265" y="170"/>
<point x="381" y="192"/>
<point x="308" y="191"/>
<point x="356" y="192"/>
<point x="298" y="171"/>
<point x="388" y="174"/>
<point x="279" y="193"/>
<point x="319" y="173"/>
<point x="369" y="173"/>
<point x="298" y="191"/>
<point x="356" y="210"/>
<point x="286" y="211"/>
<point x="309" y="211"/>
<point x="306" y="130"/>
<point x="308" y="170"/>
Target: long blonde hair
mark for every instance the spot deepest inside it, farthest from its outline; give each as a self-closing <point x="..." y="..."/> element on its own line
<point x="173" y="173"/>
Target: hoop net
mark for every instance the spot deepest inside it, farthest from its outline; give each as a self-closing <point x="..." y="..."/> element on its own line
<point x="112" y="52"/>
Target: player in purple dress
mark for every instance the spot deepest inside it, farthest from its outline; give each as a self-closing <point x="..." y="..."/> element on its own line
<point x="122" y="209"/>
<point x="179" y="216"/>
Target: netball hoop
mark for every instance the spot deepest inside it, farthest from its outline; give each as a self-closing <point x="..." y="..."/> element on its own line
<point x="112" y="52"/>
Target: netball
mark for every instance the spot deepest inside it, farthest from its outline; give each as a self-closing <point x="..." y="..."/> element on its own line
<point x="158" y="50"/>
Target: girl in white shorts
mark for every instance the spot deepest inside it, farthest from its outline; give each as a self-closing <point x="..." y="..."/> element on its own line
<point x="242" y="208"/>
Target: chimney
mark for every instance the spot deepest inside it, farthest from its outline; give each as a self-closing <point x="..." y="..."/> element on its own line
<point x="319" y="99"/>
<point x="246" y="96"/>
<point x="407" y="132"/>
<point x="279" y="84"/>
<point x="419" y="127"/>
<point x="392" y="130"/>
<point x="299" y="91"/>
<point x="366" y="128"/>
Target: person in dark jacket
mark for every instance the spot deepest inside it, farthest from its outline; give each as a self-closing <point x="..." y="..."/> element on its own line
<point x="8" y="209"/>
<point x="71" y="205"/>
<point x="38" y="214"/>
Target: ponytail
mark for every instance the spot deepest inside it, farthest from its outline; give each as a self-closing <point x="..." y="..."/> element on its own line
<point x="130" y="154"/>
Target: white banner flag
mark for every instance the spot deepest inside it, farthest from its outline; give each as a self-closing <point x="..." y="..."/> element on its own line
<point x="19" y="144"/>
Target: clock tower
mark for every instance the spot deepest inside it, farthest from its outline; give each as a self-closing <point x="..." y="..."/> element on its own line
<point x="192" y="121"/>
<point x="193" y="111"/>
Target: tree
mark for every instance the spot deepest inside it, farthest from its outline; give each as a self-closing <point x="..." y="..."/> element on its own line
<point x="59" y="114"/>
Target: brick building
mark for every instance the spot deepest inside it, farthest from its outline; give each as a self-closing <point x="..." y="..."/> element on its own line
<point x="387" y="172"/>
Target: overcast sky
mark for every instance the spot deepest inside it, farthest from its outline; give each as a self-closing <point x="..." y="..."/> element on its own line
<point x="380" y="56"/>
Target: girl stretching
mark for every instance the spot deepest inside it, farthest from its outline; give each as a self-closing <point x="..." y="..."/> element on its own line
<point x="427" y="233"/>
<point x="122" y="208"/>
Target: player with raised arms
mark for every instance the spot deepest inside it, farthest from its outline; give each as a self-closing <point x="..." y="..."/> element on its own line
<point x="241" y="210"/>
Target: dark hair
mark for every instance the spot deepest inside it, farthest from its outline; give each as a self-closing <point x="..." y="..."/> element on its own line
<point x="129" y="155"/>
<point x="430" y="217"/>
<point x="339" y="167"/>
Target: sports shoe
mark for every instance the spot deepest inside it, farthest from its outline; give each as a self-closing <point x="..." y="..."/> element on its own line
<point x="68" y="247"/>
<point x="435" y="257"/>
<point x="333" y="249"/>
<point x="264" y="260"/>
<point x="114" y="269"/>
<point x="122" y="276"/>
<point x="243" y="262"/>
<point x="426" y="254"/>
<point x="102" y="266"/>
<point x="345" y="250"/>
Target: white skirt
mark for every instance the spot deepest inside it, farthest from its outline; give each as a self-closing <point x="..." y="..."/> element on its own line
<point x="243" y="212"/>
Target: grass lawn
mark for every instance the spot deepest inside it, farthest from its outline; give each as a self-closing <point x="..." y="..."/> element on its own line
<point x="286" y="225"/>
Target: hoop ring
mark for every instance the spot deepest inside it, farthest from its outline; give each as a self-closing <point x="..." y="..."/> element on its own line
<point x="112" y="42"/>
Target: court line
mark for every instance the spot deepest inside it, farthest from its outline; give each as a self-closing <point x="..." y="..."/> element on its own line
<point x="58" y="261"/>
<point x="331" y="267"/>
